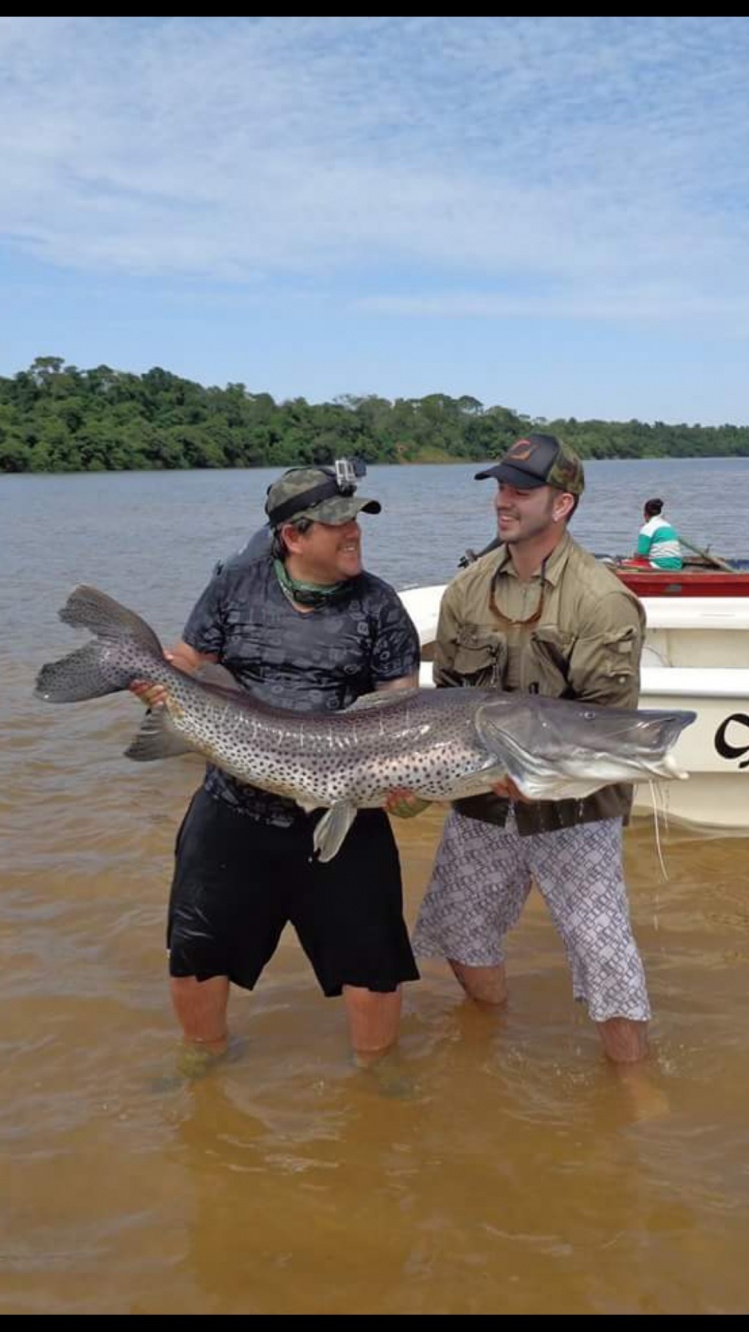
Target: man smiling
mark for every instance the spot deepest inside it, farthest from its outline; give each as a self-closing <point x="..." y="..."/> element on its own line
<point x="305" y="628"/>
<point x="540" y="615"/>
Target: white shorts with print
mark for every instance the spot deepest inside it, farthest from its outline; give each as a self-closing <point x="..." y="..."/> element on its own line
<point x="480" y="883"/>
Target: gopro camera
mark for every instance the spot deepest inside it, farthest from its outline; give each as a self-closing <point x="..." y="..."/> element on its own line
<point x="347" y="472"/>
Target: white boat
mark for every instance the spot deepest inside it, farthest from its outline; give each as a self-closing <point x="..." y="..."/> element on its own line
<point x="696" y="656"/>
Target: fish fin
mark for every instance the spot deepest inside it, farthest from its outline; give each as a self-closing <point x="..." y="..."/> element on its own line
<point x="77" y="677"/>
<point x="93" y="671"/>
<point x="88" y="608"/>
<point x="492" y="736"/>
<point x="211" y="673"/>
<point x="157" y="739"/>
<point x="331" y="831"/>
<point x="381" y="698"/>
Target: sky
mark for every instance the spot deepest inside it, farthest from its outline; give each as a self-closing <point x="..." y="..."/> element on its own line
<point x="546" y="214"/>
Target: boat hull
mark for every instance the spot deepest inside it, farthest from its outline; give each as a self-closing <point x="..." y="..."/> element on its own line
<point x="696" y="656"/>
<point x="714" y="750"/>
<point x="684" y="582"/>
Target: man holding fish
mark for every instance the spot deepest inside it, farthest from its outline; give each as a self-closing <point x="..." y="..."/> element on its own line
<point x="296" y="680"/>
<point x="541" y="616"/>
<point x="302" y="627"/>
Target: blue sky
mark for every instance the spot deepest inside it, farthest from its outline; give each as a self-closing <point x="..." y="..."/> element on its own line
<point x="547" y="214"/>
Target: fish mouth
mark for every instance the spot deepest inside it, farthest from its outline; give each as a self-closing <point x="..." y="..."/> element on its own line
<point x="673" y="769"/>
<point x="584" y="749"/>
<point x="656" y="735"/>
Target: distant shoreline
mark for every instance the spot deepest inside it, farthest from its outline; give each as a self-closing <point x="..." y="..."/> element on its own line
<point x="56" y="418"/>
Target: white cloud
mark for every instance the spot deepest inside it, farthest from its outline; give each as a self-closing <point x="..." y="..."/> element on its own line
<point x="556" y="149"/>
<point x="590" y="171"/>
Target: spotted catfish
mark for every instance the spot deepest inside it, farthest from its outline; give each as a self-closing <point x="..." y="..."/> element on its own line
<point x="442" y="744"/>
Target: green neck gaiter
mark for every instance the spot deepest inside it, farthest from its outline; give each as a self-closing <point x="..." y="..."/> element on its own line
<point x="307" y="594"/>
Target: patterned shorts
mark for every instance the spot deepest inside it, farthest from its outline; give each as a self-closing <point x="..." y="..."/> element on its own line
<point x="481" y="880"/>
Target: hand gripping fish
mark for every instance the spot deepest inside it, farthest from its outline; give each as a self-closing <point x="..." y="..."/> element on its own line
<point x="442" y="744"/>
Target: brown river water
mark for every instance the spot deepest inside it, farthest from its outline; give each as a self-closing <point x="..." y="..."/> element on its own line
<point x="508" y="1170"/>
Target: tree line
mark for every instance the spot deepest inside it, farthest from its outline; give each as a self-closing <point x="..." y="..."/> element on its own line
<point x="57" y="418"/>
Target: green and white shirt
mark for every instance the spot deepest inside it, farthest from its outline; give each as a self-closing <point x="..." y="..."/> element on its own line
<point x="660" y="544"/>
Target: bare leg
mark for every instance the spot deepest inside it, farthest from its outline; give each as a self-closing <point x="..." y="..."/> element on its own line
<point x="486" y="985"/>
<point x="626" y="1044"/>
<point x="373" y="1021"/>
<point x="201" y="1008"/>
<point x="624" y="1041"/>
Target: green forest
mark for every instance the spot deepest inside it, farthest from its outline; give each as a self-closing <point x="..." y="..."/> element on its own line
<point x="57" y="418"/>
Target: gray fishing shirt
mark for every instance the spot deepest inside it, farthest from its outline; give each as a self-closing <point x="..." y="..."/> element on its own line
<point x="315" y="661"/>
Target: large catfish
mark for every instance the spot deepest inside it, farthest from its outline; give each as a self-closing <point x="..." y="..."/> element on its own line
<point x="440" y="743"/>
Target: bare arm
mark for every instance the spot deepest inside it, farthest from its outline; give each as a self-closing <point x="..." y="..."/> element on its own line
<point x="187" y="658"/>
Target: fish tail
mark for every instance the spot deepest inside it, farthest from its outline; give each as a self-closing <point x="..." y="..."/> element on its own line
<point x="124" y="649"/>
<point x="88" y="608"/>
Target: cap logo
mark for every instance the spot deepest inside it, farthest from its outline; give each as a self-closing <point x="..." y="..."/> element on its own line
<point x="522" y="449"/>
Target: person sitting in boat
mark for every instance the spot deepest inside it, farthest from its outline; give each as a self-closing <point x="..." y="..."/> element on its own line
<point x="658" y="542"/>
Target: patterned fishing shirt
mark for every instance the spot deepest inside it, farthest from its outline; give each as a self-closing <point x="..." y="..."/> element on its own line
<point x="315" y="661"/>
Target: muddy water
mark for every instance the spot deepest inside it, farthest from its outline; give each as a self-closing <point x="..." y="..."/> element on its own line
<point x="507" y="1170"/>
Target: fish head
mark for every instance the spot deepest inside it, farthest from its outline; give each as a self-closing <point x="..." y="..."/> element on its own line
<point x="556" y="748"/>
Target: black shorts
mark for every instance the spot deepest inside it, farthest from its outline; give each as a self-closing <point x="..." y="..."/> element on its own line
<point x="238" y="881"/>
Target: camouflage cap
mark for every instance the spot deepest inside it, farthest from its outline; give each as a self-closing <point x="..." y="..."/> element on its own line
<point x="313" y="492"/>
<point x="539" y="460"/>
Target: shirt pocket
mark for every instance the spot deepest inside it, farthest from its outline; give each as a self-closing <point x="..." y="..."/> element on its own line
<point x="480" y="657"/>
<point x="607" y="667"/>
<point x="620" y="650"/>
<point x="551" y="653"/>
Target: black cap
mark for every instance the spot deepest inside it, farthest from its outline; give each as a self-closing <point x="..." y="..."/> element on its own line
<point x="539" y="460"/>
